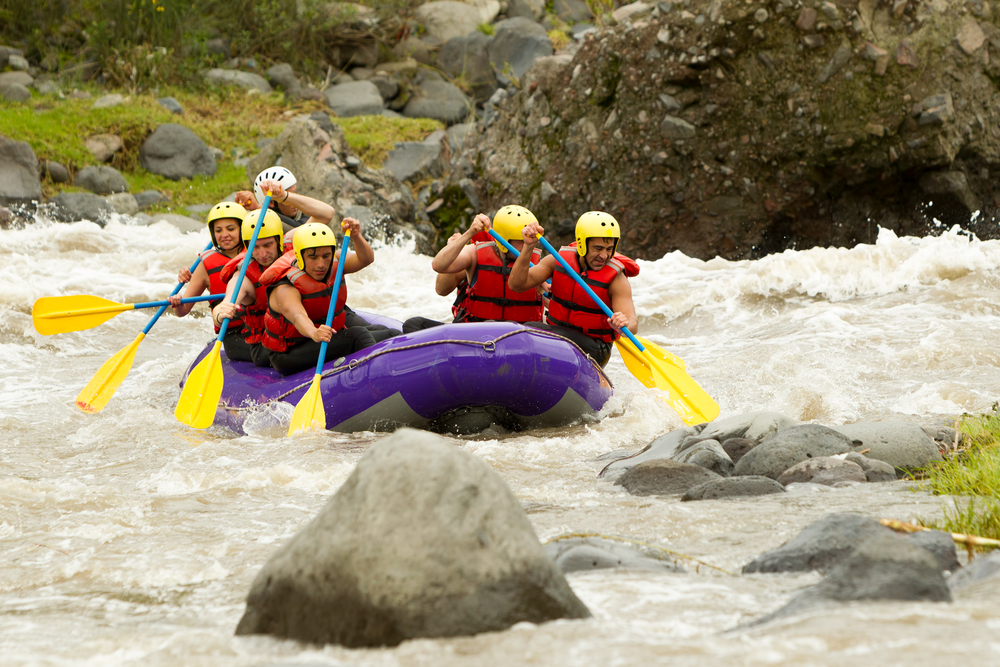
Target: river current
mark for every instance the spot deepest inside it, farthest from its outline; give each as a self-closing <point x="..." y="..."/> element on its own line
<point x="127" y="538"/>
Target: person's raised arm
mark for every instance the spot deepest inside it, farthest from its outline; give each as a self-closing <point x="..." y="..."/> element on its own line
<point x="523" y="276"/>
<point x="454" y="257"/>
<point x="316" y="210"/>
<point x="622" y="306"/>
<point x="446" y="283"/>
<point x="363" y="254"/>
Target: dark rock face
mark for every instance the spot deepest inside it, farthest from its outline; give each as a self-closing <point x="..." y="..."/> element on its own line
<point x="175" y="152"/>
<point x="769" y="147"/>
<point x="829" y="541"/>
<point x="422" y="540"/>
<point x="663" y="477"/>
<point x="733" y="487"/>
<point x="790" y="446"/>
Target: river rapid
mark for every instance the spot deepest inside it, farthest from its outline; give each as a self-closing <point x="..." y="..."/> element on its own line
<point x="127" y="538"/>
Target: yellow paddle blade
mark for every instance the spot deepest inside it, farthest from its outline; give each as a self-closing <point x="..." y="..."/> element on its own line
<point x="659" y="352"/>
<point x="635" y="362"/>
<point x="202" y="391"/>
<point x="106" y="381"/>
<point x="309" y="413"/>
<point x="684" y="395"/>
<point x="63" y="314"/>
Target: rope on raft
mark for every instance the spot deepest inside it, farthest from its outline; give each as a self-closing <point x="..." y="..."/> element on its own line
<point x="488" y="345"/>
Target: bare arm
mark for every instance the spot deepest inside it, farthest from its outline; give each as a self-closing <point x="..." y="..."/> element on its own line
<point x="363" y="253"/>
<point x="523" y="276"/>
<point x="316" y="210"/>
<point x="456" y="255"/>
<point x="446" y="283"/>
<point x="288" y="301"/>
<point x="621" y="304"/>
<point x="198" y="284"/>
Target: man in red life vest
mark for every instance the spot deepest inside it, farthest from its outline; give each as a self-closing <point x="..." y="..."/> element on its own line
<point x="572" y="313"/>
<point x="224" y="222"/>
<point x="299" y="287"/>
<point x="251" y="303"/>
<point x="487" y="265"/>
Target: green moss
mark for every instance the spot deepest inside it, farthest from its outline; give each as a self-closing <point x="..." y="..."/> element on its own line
<point x="372" y="137"/>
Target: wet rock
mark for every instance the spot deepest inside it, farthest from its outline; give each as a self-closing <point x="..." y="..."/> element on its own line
<point x="104" y="146"/>
<point x="446" y="19"/>
<point x="57" y="172"/>
<point x="529" y="9"/>
<point x="708" y="454"/>
<point x="439" y="100"/>
<point x="902" y="445"/>
<point x="171" y="105"/>
<point x="790" y="446"/>
<point x="424" y="539"/>
<point x="357" y="98"/>
<point x="467" y="56"/>
<point x="736" y="448"/>
<point x="824" y="470"/>
<point x="982" y="569"/>
<point x="231" y="77"/>
<point x="76" y="206"/>
<point x="19" y="179"/>
<point x="14" y="92"/>
<point x="518" y="42"/>
<point x="148" y="198"/>
<point x="123" y="203"/>
<point x="175" y="152"/>
<point x="663" y="477"/>
<point x="577" y="554"/>
<point x="826" y="542"/>
<point x="572" y="11"/>
<point x="101" y="180"/>
<point x="882" y="567"/>
<point x="733" y="487"/>
<point x="875" y="471"/>
<point x="108" y="101"/>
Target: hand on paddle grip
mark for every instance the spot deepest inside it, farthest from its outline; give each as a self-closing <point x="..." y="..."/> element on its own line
<point x="184" y="276"/>
<point x="530" y="234"/>
<point x="321" y="334"/>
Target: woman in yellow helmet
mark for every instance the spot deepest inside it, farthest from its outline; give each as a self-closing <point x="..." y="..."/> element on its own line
<point x="224" y="222"/>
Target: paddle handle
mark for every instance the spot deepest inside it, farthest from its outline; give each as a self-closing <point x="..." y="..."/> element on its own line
<point x="506" y="244"/>
<point x="246" y="263"/>
<point x="333" y="297"/>
<point x="576" y="276"/>
<point x="177" y="289"/>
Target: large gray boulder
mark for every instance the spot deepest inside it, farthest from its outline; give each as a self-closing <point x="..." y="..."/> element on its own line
<point x="446" y="19"/>
<point x="664" y="477"/>
<point x="357" y="98"/>
<point x="790" y="446"/>
<point x="708" y="454"/>
<point x="19" y="180"/>
<point x="76" y="206"/>
<point x="517" y="43"/>
<point x="903" y="445"/>
<point x="175" y="152"/>
<point x="232" y="77"/>
<point x="413" y="160"/>
<point x="102" y="180"/>
<point x="466" y="57"/>
<point x="423" y="539"/>
<point x="439" y="100"/>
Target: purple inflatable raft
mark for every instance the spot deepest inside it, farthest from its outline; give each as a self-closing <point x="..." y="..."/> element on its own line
<point x="456" y="378"/>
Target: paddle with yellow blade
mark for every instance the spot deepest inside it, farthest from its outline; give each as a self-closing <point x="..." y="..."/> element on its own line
<point x="76" y="312"/>
<point x="109" y="377"/>
<point x="687" y="399"/>
<point x="203" y="387"/>
<point x="309" y="413"/>
<point x="629" y="353"/>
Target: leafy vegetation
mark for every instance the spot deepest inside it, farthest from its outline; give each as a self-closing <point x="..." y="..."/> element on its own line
<point x="973" y="472"/>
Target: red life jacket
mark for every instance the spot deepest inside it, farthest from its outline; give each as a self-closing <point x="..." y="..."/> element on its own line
<point x="279" y="333"/>
<point x="253" y="315"/>
<point x="489" y="298"/>
<point x="214" y="261"/>
<point x="629" y="266"/>
<point x="570" y="306"/>
<point x="461" y="297"/>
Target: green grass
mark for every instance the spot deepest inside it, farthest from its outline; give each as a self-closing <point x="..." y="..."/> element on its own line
<point x="227" y="119"/>
<point x="974" y="473"/>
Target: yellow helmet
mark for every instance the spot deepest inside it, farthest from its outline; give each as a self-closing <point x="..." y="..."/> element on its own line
<point x="596" y="224"/>
<point x="225" y="209"/>
<point x="509" y="221"/>
<point x="312" y="235"/>
<point x="272" y="226"/>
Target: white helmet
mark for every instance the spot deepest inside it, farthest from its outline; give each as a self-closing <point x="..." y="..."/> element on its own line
<point x="277" y="174"/>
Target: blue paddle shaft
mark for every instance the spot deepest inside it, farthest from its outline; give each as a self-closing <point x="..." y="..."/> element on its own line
<point x="246" y="262"/>
<point x="177" y="289"/>
<point x="575" y="276"/>
<point x="333" y="299"/>
<point x="189" y="299"/>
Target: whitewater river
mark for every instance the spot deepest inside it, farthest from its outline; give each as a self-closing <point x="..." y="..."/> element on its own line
<point x="127" y="538"/>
